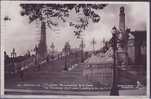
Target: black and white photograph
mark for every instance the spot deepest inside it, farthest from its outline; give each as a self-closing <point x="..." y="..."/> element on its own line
<point x="74" y="48"/>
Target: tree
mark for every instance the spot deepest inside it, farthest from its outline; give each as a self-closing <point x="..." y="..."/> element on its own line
<point x="47" y="12"/>
<point x="7" y="18"/>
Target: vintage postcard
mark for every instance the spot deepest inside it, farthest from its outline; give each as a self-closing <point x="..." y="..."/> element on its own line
<point x="75" y="49"/>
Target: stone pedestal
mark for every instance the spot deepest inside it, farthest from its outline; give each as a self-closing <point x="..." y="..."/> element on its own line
<point x="122" y="57"/>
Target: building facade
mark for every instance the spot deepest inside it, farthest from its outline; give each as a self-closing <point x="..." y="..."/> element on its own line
<point x="134" y="43"/>
<point x="139" y="48"/>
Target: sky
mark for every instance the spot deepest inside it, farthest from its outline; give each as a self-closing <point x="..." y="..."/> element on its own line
<point x="19" y="34"/>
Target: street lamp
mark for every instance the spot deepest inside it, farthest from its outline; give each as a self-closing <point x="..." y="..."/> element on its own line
<point x="93" y="43"/>
<point x="13" y="56"/>
<point x="114" y="89"/>
<point x="82" y="45"/>
<point x="52" y="50"/>
<point x="67" y="51"/>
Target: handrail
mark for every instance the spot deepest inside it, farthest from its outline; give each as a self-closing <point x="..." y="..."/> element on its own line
<point x="26" y="64"/>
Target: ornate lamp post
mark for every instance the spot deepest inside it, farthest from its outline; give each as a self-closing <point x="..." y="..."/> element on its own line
<point x="114" y="89"/>
<point x="13" y="56"/>
<point x="65" y="68"/>
<point x="82" y="45"/>
<point x="13" y="53"/>
<point x="52" y="50"/>
<point x="37" y="58"/>
<point x="67" y="51"/>
<point x="93" y="43"/>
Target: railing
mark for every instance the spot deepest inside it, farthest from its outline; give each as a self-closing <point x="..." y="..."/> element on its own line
<point x="99" y="74"/>
<point x="16" y="67"/>
<point x="26" y="64"/>
<point x="132" y="74"/>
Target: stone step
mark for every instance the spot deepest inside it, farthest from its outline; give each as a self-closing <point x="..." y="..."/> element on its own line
<point x="56" y="74"/>
<point x="67" y="78"/>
